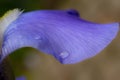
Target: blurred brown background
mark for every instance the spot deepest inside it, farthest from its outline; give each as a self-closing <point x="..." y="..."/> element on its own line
<point x="37" y="66"/>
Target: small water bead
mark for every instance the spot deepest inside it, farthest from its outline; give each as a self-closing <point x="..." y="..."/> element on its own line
<point x="64" y="54"/>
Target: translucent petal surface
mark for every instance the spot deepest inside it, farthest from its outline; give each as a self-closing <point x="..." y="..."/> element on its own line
<point x="62" y="34"/>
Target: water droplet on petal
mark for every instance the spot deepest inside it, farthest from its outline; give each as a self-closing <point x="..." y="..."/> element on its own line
<point x="64" y="54"/>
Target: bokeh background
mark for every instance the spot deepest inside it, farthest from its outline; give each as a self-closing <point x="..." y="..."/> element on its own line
<point x="35" y="65"/>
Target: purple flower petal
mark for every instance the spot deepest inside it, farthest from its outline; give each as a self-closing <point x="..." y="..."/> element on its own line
<point x="21" y="78"/>
<point x="62" y="34"/>
<point x="73" y="12"/>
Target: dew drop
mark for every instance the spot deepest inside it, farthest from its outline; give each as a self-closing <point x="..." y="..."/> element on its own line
<point x="64" y="54"/>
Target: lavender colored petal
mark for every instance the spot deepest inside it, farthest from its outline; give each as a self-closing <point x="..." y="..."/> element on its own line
<point x="73" y="12"/>
<point x="68" y="38"/>
<point x="21" y="78"/>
